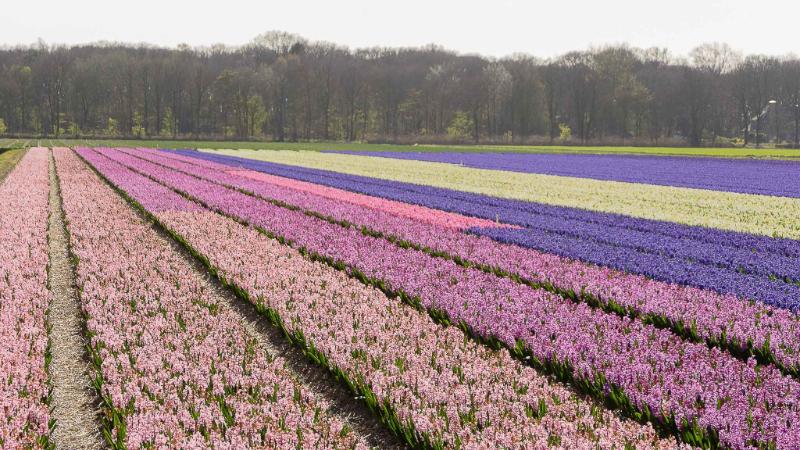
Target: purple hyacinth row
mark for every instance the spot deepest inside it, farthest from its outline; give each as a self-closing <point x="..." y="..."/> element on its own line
<point x="660" y="250"/>
<point x="654" y="369"/>
<point x="750" y="176"/>
<point x="24" y="414"/>
<point x="178" y="369"/>
<point x="713" y="317"/>
<point x="685" y="271"/>
<point x="439" y="385"/>
<point x="674" y="253"/>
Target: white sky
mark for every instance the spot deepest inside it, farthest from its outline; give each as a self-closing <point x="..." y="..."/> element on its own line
<point x="494" y="28"/>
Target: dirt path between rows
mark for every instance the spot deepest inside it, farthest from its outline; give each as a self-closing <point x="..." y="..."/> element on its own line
<point x="74" y="401"/>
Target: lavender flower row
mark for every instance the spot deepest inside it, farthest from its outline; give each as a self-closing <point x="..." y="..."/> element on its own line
<point x="448" y="390"/>
<point x="638" y="366"/>
<point x="24" y="414"/>
<point x="747" y="327"/>
<point x="685" y="260"/>
<point x="176" y="368"/>
<point x="751" y="176"/>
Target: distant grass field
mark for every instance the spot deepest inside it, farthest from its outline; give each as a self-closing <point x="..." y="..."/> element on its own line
<point x="6" y="144"/>
<point x="8" y="159"/>
<point x="320" y="146"/>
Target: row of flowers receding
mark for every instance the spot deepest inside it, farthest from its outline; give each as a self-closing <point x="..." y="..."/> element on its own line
<point x="25" y="420"/>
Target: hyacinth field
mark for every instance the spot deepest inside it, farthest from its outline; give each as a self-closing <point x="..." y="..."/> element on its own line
<point x="453" y="300"/>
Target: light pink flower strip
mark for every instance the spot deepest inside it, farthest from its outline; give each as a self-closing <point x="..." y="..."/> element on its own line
<point x="24" y="200"/>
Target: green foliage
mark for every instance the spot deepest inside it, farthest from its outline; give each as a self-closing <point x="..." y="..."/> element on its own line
<point x="111" y="127"/>
<point x="461" y="126"/>
<point x="137" y="129"/>
<point x="73" y="129"/>
<point x="36" y="123"/>
<point x="9" y="159"/>
<point x="257" y="115"/>
<point x="564" y="132"/>
<point x="61" y="125"/>
<point x="168" y="125"/>
<point x="3" y="126"/>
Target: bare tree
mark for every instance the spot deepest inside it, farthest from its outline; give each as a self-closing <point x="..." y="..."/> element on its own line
<point x="281" y="86"/>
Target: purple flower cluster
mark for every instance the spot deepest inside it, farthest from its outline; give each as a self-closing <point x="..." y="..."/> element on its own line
<point x="655" y="370"/>
<point x="751" y="176"/>
<point x="24" y="414"/>
<point x="753" y="267"/>
<point x="176" y="369"/>
<point x="439" y="386"/>
<point x="746" y="326"/>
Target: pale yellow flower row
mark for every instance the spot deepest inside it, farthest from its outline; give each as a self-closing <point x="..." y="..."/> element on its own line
<point x="757" y="214"/>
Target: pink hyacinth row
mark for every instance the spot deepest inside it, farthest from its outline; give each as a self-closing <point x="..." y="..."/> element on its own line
<point x="177" y="369"/>
<point x="446" y="388"/>
<point x="712" y="316"/>
<point x="658" y="371"/>
<point x="24" y="414"/>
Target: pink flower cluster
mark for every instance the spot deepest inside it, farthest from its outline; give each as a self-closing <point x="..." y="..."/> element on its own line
<point x="745" y="325"/>
<point x="440" y="386"/>
<point x="176" y="368"/>
<point x="24" y="414"/>
<point x="658" y="371"/>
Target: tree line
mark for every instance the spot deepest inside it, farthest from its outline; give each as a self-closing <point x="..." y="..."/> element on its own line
<point x="283" y="87"/>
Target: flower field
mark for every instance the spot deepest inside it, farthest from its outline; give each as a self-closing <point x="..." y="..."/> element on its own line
<point x="746" y="176"/>
<point x="756" y="214"/>
<point x="464" y="300"/>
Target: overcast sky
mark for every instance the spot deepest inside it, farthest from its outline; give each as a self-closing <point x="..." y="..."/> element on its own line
<point x="494" y="28"/>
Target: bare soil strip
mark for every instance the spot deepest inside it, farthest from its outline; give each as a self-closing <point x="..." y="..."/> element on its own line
<point x="73" y="400"/>
<point x="314" y="378"/>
